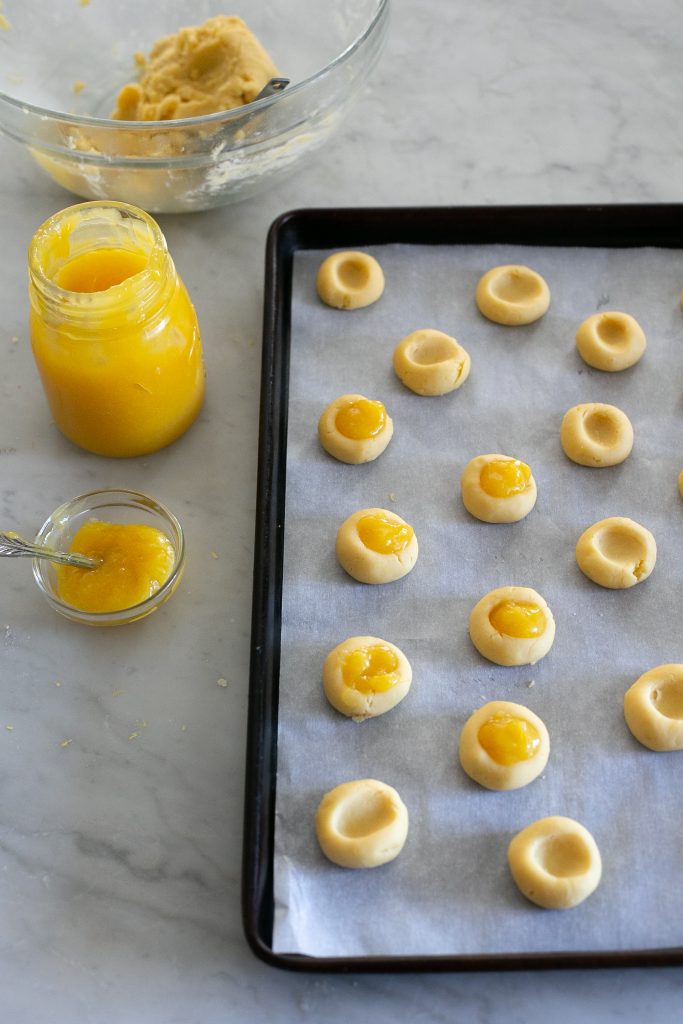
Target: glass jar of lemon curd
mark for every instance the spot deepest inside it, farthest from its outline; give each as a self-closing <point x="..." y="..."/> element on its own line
<point x="114" y="334"/>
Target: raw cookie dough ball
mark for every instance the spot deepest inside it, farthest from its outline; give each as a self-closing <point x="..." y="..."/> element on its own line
<point x="431" y="363"/>
<point x="504" y="745"/>
<point x="555" y="863"/>
<point x="610" y="341"/>
<point x="375" y="545"/>
<point x="355" y="429"/>
<point x="361" y="824"/>
<point x="202" y="69"/>
<point x="596" y="435"/>
<point x="616" y="553"/>
<point x="512" y="626"/>
<point x="365" y="676"/>
<point x="350" y="280"/>
<point x="653" y="708"/>
<point x="498" y="488"/>
<point x="512" y="295"/>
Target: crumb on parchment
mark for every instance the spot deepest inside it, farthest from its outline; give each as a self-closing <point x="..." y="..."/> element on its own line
<point x="214" y="554"/>
<point x="66" y="743"/>
<point x="222" y="682"/>
<point x="133" y="736"/>
<point x="78" y="86"/>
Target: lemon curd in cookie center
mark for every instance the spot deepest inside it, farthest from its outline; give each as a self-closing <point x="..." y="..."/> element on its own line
<point x="99" y="269"/>
<point x="362" y="419"/>
<point x="520" y="619"/>
<point x="370" y="669"/>
<point x="508" y="739"/>
<point x="381" y="535"/>
<point x="502" y="478"/>
<point x="136" y="561"/>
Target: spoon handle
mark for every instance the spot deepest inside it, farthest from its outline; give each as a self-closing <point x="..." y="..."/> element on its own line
<point x="14" y="546"/>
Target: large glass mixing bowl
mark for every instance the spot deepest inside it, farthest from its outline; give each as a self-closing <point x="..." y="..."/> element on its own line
<point x="63" y="63"/>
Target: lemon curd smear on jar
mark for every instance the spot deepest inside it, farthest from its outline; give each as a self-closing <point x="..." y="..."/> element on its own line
<point x="114" y="334"/>
<point x="501" y="478"/>
<point x="370" y="669"/>
<point x="381" y="535"/>
<point x="508" y="739"/>
<point x="520" y="619"/>
<point x="361" y="419"/>
<point x="135" y="562"/>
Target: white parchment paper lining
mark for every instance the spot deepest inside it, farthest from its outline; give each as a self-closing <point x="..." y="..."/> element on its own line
<point x="450" y="892"/>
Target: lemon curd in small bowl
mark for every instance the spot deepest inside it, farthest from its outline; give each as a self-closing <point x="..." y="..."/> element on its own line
<point x="139" y="544"/>
<point x="114" y="334"/>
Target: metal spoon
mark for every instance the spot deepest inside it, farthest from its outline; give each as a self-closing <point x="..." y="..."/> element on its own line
<point x="271" y="87"/>
<point x="14" y="546"/>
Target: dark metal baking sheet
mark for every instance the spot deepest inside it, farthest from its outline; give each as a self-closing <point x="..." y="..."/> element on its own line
<point x="612" y="226"/>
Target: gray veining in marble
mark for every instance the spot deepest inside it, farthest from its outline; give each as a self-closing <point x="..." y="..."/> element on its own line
<point x="120" y="851"/>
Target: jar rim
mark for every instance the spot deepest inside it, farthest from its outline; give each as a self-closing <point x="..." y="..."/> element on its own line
<point x="59" y="228"/>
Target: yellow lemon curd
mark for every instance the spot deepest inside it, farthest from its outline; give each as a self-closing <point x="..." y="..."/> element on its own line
<point x="508" y="740"/>
<point x="136" y="560"/>
<point x="361" y="419"/>
<point x="114" y="334"/>
<point x="520" y="619"/>
<point x="501" y="478"/>
<point x="381" y="535"/>
<point x="370" y="669"/>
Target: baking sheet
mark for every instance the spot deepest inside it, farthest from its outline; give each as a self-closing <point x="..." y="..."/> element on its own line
<point x="450" y="892"/>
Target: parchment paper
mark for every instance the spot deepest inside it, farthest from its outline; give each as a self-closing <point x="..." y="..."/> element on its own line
<point x="450" y="891"/>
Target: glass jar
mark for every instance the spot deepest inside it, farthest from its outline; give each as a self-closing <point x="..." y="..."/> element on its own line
<point x="114" y="334"/>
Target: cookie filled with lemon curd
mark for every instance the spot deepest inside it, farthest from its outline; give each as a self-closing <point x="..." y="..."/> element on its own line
<point x="375" y="545"/>
<point x="512" y="626"/>
<point x="355" y="429"/>
<point x="504" y="745"/>
<point x="365" y="676"/>
<point x="498" y="488"/>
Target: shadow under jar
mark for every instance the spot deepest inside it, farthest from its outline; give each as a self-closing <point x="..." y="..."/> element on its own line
<point x="114" y="334"/>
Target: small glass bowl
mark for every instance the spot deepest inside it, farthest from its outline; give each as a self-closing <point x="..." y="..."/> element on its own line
<point x="114" y="506"/>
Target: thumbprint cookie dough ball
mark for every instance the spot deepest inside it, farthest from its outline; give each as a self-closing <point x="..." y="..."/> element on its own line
<point x="365" y="676"/>
<point x="504" y="745"/>
<point x="616" y="553"/>
<point x="512" y="626"/>
<point x="512" y="295"/>
<point x="653" y="708"/>
<point x="596" y="435"/>
<point x="355" y="429"/>
<point x="375" y="545"/>
<point x="555" y="863"/>
<point x="349" y="280"/>
<point x="610" y="341"/>
<point x="361" y="824"/>
<point x="431" y="363"/>
<point x="498" y="489"/>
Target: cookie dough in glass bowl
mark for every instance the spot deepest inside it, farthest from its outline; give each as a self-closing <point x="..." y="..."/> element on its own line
<point x="85" y="53"/>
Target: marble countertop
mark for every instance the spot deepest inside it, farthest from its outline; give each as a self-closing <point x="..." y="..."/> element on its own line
<point x="120" y="851"/>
